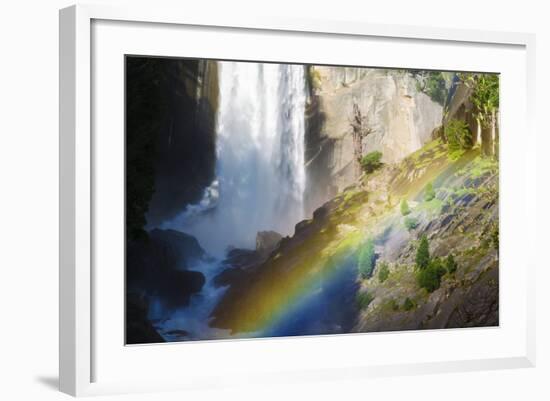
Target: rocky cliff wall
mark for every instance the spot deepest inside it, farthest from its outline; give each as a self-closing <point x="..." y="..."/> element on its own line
<point x="397" y="119"/>
<point x="186" y="144"/>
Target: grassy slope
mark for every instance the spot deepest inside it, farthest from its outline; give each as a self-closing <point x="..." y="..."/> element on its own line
<point x="463" y="220"/>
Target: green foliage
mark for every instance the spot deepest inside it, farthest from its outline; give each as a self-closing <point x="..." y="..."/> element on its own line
<point x="371" y="161"/>
<point x="494" y="237"/>
<point x="410" y="223"/>
<point x="481" y="166"/>
<point x="315" y="77"/>
<point x="433" y="84"/>
<point x="364" y="299"/>
<point x="485" y="96"/>
<point x="394" y="306"/>
<point x="450" y="264"/>
<point x="429" y="192"/>
<point x="430" y="270"/>
<point x="405" y="210"/>
<point x="458" y="136"/>
<point x="430" y="277"/>
<point x="423" y="254"/>
<point x="366" y="259"/>
<point x="408" y="304"/>
<point x="384" y="272"/>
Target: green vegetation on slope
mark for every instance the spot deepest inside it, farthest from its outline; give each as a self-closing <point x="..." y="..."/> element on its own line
<point x="365" y="263"/>
<point x="405" y="210"/>
<point x="364" y="299"/>
<point x="371" y="161"/>
<point x="430" y="277"/>
<point x="459" y="137"/>
<point x="410" y="223"/>
<point x="462" y="214"/>
<point x="423" y="254"/>
<point x="431" y="270"/>
<point x="429" y="192"/>
<point x="384" y="272"/>
<point x="450" y="264"/>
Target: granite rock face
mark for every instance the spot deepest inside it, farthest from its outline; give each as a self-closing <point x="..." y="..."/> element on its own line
<point x="399" y="118"/>
<point x="267" y="241"/>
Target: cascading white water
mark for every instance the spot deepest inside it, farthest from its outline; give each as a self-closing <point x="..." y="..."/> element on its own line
<point x="260" y="158"/>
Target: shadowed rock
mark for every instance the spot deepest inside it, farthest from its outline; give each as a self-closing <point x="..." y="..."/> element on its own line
<point x="139" y="329"/>
<point x="267" y="241"/>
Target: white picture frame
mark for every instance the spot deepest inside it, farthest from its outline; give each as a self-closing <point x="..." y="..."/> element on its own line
<point x="78" y="163"/>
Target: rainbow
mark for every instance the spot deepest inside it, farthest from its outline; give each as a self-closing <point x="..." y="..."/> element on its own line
<point x="287" y="285"/>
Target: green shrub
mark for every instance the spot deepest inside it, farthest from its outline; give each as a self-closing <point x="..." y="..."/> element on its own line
<point x="371" y="161"/>
<point x="494" y="237"/>
<point x="408" y="304"/>
<point x="433" y="85"/>
<point x="364" y="299"/>
<point x="405" y="210"/>
<point x="429" y="192"/>
<point x="450" y="264"/>
<point x="430" y="277"/>
<point x="410" y="223"/>
<point x="423" y="254"/>
<point x="315" y="78"/>
<point x="384" y="272"/>
<point x="485" y="96"/>
<point x="365" y="262"/>
<point x="458" y="136"/>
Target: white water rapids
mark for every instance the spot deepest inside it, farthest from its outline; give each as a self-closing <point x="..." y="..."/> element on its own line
<point x="260" y="172"/>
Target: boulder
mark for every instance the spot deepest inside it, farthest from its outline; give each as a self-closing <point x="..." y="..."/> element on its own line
<point x="159" y="266"/>
<point x="267" y="241"/>
<point x="238" y="263"/>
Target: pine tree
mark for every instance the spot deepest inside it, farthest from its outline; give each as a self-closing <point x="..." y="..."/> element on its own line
<point x="450" y="264"/>
<point x="366" y="259"/>
<point x="384" y="272"/>
<point x="430" y="193"/>
<point x="423" y="254"/>
<point x="405" y="207"/>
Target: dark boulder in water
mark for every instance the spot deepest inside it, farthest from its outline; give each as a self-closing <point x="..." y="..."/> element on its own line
<point x="181" y="248"/>
<point x="158" y="266"/>
<point x="239" y="263"/>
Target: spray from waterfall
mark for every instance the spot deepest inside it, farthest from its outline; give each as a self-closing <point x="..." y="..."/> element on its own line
<point x="260" y="171"/>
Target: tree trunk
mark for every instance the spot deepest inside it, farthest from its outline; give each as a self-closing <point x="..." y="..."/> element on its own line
<point x="495" y="127"/>
<point x="478" y="131"/>
<point x="360" y="131"/>
<point x="486" y="140"/>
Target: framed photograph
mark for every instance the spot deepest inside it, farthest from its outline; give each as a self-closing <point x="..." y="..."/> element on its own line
<point x="240" y="194"/>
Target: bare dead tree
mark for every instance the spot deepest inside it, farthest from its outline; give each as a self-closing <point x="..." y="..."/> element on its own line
<point x="360" y="130"/>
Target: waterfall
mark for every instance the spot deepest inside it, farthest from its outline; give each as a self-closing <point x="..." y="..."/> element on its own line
<point x="260" y="172"/>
